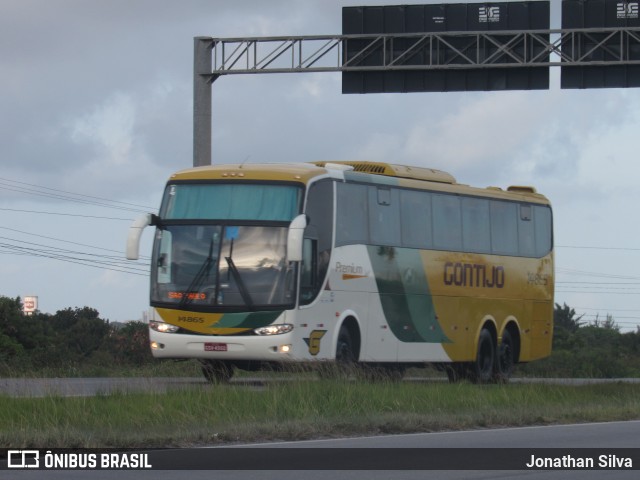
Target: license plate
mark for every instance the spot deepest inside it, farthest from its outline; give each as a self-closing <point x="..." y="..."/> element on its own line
<point x="215" y="347"/>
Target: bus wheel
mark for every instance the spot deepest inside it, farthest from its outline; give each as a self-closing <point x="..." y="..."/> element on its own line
<point x="505" y="361"/>
<point x="345" y="358"/>
<point x="482" y="368"/>
<point x="216" y="371"/>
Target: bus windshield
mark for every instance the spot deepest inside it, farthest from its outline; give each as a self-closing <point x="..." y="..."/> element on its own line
<point x="223" y="246"/>
<point x="226" y="201"/>
<point x="215" y="267"/>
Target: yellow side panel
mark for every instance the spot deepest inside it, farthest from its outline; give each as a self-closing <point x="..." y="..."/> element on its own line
<point x="469" y="290"/>
<point x="541" y="330"/>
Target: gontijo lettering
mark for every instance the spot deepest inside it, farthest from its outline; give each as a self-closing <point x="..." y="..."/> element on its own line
<point x="473" y="275"/>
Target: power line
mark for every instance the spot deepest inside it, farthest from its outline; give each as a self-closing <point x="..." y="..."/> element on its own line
<point x="585" y="247"/>
<point x="603" y="286"/>
<point x="64" y="195"/>
<point x="66" y="241"/>
<point x="13" y="246"/>
<point x="596" y="315"/>
<point x="71" y="199"/>
<point x="598" y="283"/>
<point x="609" y="309"/>
<point x="571" y="271"/>
<point x="64" y="214"/>
<point x="105" y="262"/>
<point x="596" y="292"/>
<point x="112" y="259"/>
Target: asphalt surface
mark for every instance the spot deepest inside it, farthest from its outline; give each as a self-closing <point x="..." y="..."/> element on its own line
<point x="600" y="438"/>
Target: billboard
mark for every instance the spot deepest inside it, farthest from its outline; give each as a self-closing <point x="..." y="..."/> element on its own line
<point x="478" y="17"/>
<point x="29" y="304"/>
<point x="600" y="46"/>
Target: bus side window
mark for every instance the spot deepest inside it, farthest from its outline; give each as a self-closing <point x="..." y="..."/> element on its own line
<point x="415" y="219"/>
<point x="447" y="222"/>
<point x="309" y="271"/>
<point x="352" y="217"/>
<point x="318" y="235"/>
<point x="504" y="228"/>
<point x="476" y="235"/>
<point x="165" y="257"/>
<point x="526" y="237"/>
<point x="543" y="230"/>
<point x="384" y="216"/>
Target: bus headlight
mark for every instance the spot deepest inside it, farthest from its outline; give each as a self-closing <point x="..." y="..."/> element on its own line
<point x="163" y="327"/>
<point x="274" y="329"/>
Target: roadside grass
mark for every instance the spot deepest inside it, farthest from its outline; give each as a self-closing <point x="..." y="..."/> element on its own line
<point x="169" y="368"/>
<point x="300" y="409"/>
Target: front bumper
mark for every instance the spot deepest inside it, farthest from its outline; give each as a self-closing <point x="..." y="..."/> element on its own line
<point x="269" y="348"/>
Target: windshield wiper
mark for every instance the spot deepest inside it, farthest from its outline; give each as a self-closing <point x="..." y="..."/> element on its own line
<point x="198" y="280"/>
<point x="244" y="293"/>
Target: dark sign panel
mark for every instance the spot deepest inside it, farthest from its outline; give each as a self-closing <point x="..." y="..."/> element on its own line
<point x="600" y="46"/>
<point x="477" y="17"/>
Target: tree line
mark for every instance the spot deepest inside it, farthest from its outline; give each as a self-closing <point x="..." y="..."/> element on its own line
<point x="73" y="338"/>
<point x="78" y="339"/>
<point x="582" y="350"/>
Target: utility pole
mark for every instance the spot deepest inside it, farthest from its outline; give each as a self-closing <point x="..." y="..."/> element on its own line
<point x="202" y="79"/>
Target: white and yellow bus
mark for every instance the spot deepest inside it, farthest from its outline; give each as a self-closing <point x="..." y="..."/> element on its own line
<point x="384" y="265"/>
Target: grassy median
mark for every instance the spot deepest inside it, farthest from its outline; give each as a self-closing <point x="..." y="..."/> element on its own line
<point x="300" y="409"/>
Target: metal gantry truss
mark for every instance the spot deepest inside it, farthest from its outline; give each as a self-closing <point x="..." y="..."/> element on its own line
<point x="214" y="57"/>
<point x="438" y="50"/>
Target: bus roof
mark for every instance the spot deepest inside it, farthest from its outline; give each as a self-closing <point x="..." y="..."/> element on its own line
<point x="400" y="171"/>
<point x="283" y="172"/>
<point x="374" y="172"/>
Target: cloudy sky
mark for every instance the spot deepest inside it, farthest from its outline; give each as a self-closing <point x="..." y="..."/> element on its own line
<point x="96" y="113"/>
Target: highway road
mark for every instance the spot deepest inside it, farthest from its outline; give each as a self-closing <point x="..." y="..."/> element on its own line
<point x="565" y="438"/>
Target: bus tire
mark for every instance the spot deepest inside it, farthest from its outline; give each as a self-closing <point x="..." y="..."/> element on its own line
<point x="482" y="370"/>
<point x="217" y="371"/>
<point x="345" y="356"/>
<point x="505" y="360"/>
